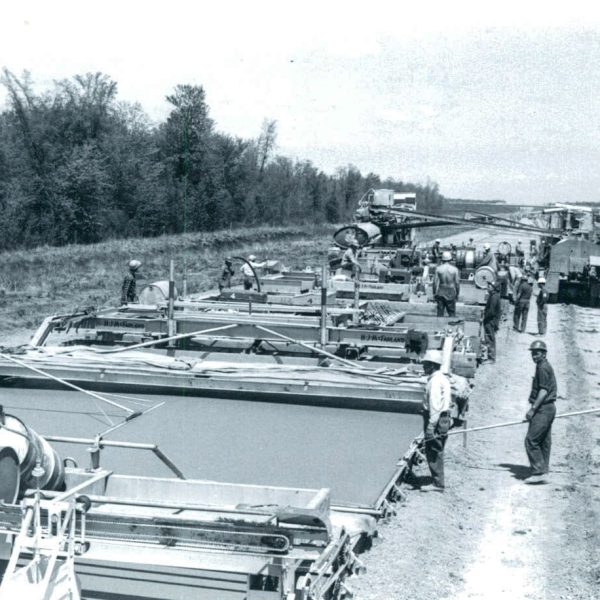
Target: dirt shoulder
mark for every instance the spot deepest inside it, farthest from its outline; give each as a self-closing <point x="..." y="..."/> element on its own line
<point x="491" y="535"/>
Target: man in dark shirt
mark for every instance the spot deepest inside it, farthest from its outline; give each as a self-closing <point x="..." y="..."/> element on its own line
<point x="129" y="287"/>
<point x="226" y="274"/>
<point x="522" y="304"/>
<point x="541" y="414"/>
<point x="491" y="319"/>
<point x="436" y="252"/>
<point x="542" y="306"/>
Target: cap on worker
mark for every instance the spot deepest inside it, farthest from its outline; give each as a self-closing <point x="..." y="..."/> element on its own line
<point x="446" y="255"/>
<point x="134" y="265"/>
<point x="433" y="356"/>
<point x="438" y="241"/>
<point x="252" y="257"/>
<point x="538" y="345"/>
<point x="542" y="280"/>
<point x="486" y="246"/>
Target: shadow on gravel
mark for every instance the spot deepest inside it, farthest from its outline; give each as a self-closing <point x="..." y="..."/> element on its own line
<point x="517" y="471"/>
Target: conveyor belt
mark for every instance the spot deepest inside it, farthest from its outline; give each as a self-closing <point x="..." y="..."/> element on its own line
<point x="353" y="452"/>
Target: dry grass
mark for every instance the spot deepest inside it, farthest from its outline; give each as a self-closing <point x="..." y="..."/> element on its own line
<point x="43" y="281"/>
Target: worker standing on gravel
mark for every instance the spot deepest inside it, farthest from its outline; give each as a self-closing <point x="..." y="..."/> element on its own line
<point x="436" y="418"/>
<point x="541" y="414"/>
<point x="522" y="300"/>
<point x="446" y="286"/>
<point x="129" y="287"/>
<point x="491" y="319"/>
<point x="542" y="306"/>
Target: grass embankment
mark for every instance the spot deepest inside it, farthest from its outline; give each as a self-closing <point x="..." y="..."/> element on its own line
<point x="39" y="282"/>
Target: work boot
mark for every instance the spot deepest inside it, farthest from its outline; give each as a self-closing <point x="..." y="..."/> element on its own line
<point x="536" y="479"/>
<point x="431" y="488"/>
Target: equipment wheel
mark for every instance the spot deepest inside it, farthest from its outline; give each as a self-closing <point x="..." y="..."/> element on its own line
<point x="483" y="276"/>
<point x="504" y="248"/>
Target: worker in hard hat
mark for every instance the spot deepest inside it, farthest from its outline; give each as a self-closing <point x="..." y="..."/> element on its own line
<point x="350" y="266"/>
<point x="446" y="286"/>
<point x="522" y="299"/>
<point x="491" y="319"/>
<point x="488" y="259"/>
<point x="541" y="414"/>
<point x="129" y="287"/>
<point x="227" y="273"/>
<point x="542" y="306"/>
<point x="436" y="418"/>
<point x="248" y="272"/>
<point x="436" y="251"/>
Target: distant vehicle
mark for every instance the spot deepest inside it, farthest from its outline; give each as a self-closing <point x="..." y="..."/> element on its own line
<point x="407" y="201"/>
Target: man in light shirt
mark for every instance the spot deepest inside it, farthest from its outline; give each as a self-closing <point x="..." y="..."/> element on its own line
<point x="350" y="266"/>
<point x="436" y="418"/>
<point x="248" y="273"/>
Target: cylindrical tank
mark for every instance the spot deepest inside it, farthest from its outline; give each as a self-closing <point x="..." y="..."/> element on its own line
<point x="32" y="449"/>
<point x="465" y="258"/>
<point x="155" y="293"/>
<point x="361" y="233"/>
<point x="10" y="476"/>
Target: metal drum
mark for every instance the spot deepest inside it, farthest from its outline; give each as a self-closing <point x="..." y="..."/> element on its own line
<point x="483" y="276"/>
<point x="155" y="293"/>
<point x="31" y="449"/>
<point x="10" y="476"/>
<point x="465" y="258"/>
<point x="469" y="259"/>
<point x="362" y="234"/>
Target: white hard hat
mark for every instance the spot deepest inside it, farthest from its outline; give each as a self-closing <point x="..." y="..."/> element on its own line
<point x="446" y="255"/>
<point x="437" y="241"/>
<point x="252" y="257"/>
<point x="542" y="280"/>
<point x="433" y="356"/>
<point x="134" y="264"/>
<point x="486" y="246"/>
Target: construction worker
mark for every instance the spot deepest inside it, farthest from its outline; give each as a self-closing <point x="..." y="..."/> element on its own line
<point x="542" y="306"/>
<point x="541" y="414"/>
<point x="520" y="253"/>
<point x="247" y="271"/>
<point x="503" y="282"/>
<point x="227" y="273"/>
<point x="446" y="286"/>
<point x="488" y="259"/>
<point x="436" y="418"/>
<point x="491" y="319"/>
<point x="350" y="265"/>
<point x="522" y="300"/>
<point x="436" y="252"/>
<point x="129" y="287"/>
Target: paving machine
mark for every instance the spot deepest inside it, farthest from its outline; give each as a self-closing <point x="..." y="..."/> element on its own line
<point x="77" y="536"/>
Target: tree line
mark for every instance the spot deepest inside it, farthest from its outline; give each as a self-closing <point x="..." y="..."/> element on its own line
<point x="77" y="165"/>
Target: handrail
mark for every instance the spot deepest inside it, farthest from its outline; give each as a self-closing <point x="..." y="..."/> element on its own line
<point x="100" y="443"/>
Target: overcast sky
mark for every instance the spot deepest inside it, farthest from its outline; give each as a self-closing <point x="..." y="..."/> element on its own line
<point x="490" y="100"/>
